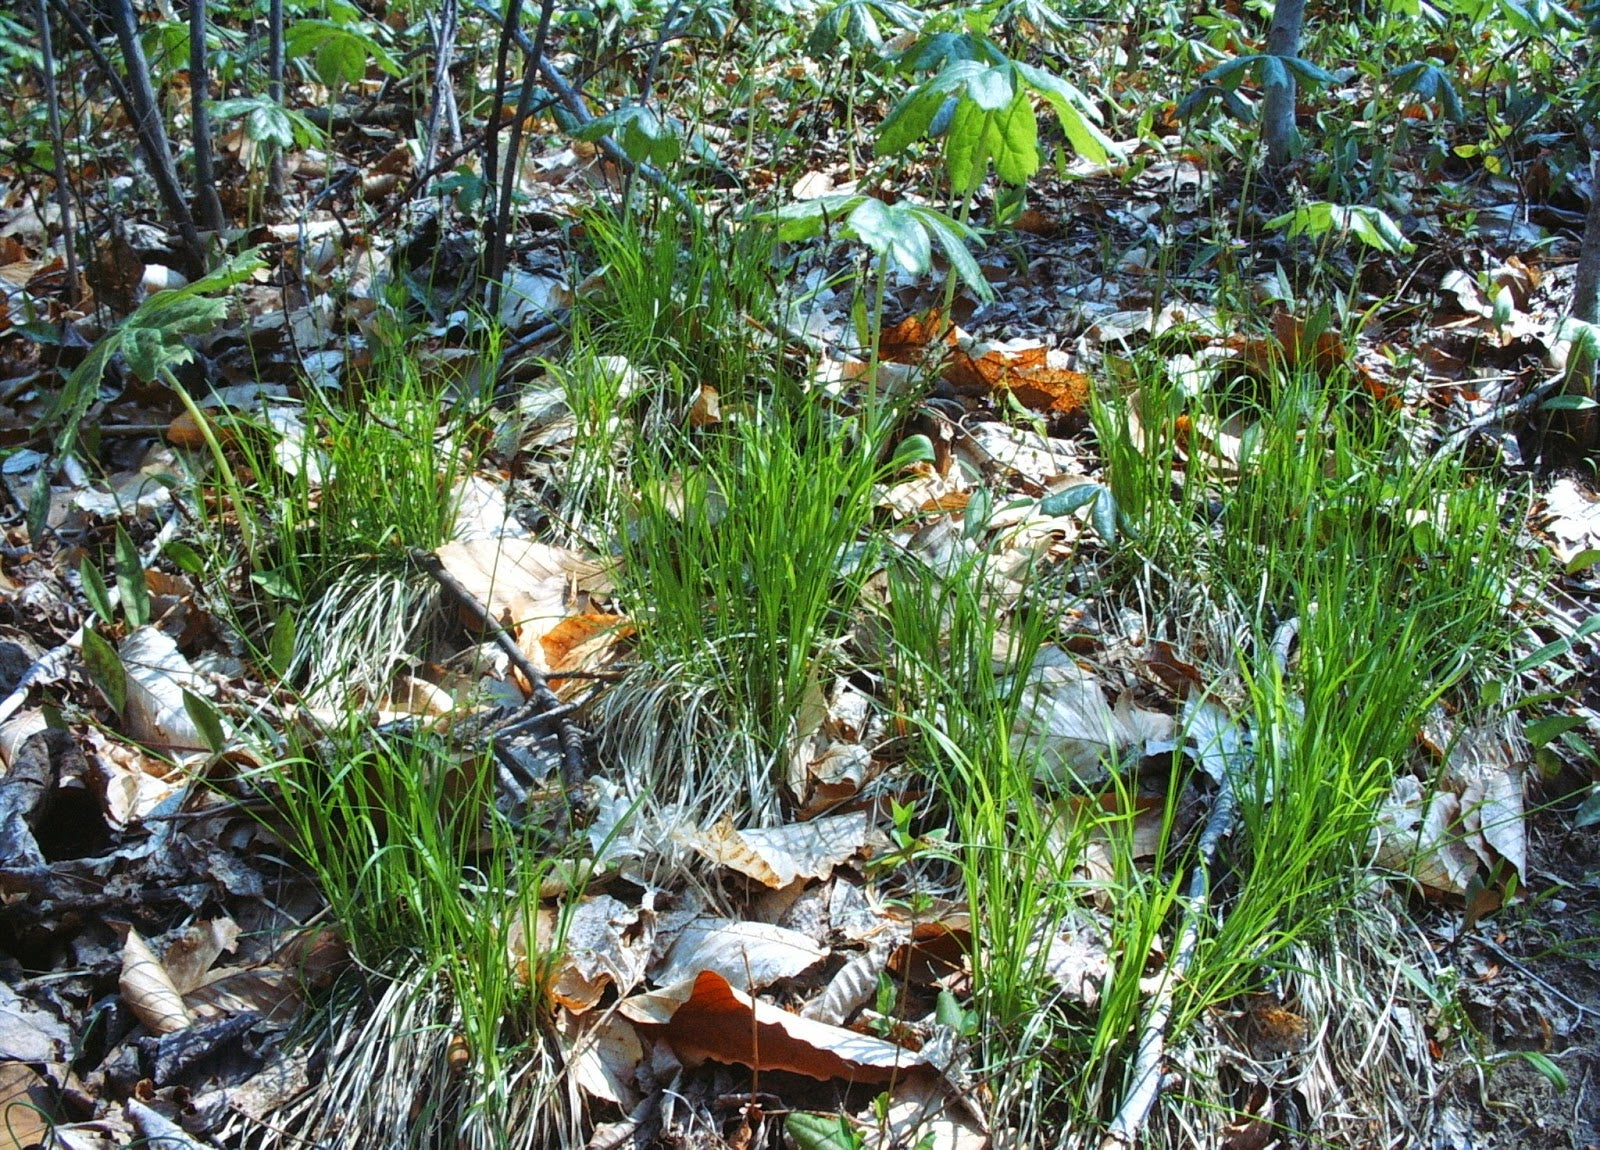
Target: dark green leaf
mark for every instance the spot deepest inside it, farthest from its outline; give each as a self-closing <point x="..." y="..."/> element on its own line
<point x="1589" y="813"/>
<point x="280" y="651"/>
<point x="184" y="557"/>
<point x="1540" y="732"/>
<point x="105" y="669"/>
<point x="130" y="581"/>
<point x="206" y="720"/>
<point x="96" y="591"/>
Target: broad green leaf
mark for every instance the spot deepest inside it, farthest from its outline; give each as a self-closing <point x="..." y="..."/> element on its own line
<point x="992" y="89"/>
<point x="892" y="233"/>
<point x="1078" y="116"/>
<point x="339" y="53"/>
<point x="280" y="650"/>
<point x="130" y="581"/>
<point x="913" y="449"/>
<point x="1589" y="812"/>
<point x="1231" y="73"/>
<point x="1540" y="732"/>
<point x="953" y="237"/>
<point x="966" y="147"/>
<point x="203" y="714"/>
<point x="1015" y="136"/>
<point x="909" y="120"/>
<point x="975" y="517"/>
<point x="1308" y="72"/>
<point x="1272" y="73"/>
<point x="946" y="48"/>
<point x="105" y="669"/>
<point x="95" y="590"/>
<point x="821" y="1131"/>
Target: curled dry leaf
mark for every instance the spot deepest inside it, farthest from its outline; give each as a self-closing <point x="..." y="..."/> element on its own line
<point x="709" y="1019"/>
<point x="603" y="1055"/>
<point x="148" y="988"/>
<point x="777" y="856"/>
<point x="748" y="954"/>
<point x="1067" y="725"/>
<point x="849" y="990"/>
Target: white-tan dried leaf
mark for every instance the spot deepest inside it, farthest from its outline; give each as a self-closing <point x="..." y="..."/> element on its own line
<point x="603" y="1055"/>
<point x="148" y="989"/>
<point x="850" y="989"/>
<point x="777" y="856"/>
<point x="751" y="955"/>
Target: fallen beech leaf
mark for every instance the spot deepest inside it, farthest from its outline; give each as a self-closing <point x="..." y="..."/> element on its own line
<point x="849" y="990"/>
<point x="603" y="1055"/>
<point x="528" y="587"/>
<point x="607" y="943"/>
<point x="26" y="1107"/>
<point x="158" y="675"/>
<point x="581" y="642"/>
<point x="1424" y="841"/>
<point x="709" y="1019"/>
<point x="747" y="954"/>
<point x="909" y="340"/>
<point x="148" y="989"/>
<point x="707" y="407"/>
<point x="777" y="856"/>
<point x="1036" y="375"/>
<point x="1066" y="723"/>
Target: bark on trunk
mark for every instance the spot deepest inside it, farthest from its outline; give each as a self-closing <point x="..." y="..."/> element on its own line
<point x="1277" y="113"/>
<point x="205" y="172"/>
<point x="151" y="131"/>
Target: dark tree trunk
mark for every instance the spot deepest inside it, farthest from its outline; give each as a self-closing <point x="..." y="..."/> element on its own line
<point x="148" y="126"/>
<point x="205" y="172"/>
<point x="1277" y="113"/>
<point x="69" y="241"/>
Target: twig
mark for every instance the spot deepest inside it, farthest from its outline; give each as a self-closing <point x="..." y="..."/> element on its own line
<point x="1124" y="1129"/>
<point x="572" y="772"/>
<point x="1521" y="406"/>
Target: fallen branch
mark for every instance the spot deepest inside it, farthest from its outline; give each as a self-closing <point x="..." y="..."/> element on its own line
<point x="572" y="772"/>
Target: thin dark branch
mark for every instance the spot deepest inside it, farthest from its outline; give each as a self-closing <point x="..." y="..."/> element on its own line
<point x="205" y="174"/>
<point x="58" y="145"/>
<point x="572" y="772"/>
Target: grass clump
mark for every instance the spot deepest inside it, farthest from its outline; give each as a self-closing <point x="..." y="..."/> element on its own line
<point x="430" y="885"/>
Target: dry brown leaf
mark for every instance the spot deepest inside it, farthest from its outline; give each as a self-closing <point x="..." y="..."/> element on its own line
<point x="706" y="408"/>
<point x="1038" y="376"/>
<point x="752" y="955"/>
<point x="158" y="674"/>
<point x="26" y="1107"/>
<point x="148" y="989"/>
<point x="709" y="1019"/>
<point x="910" y="340"/>
<point x="528" y="587"/>
<point x="777" y="856"/>
<point x="583" y="642"/>
<point x="1066" y="724"/>
<point x="603" y="1055"/>
<point x="607" y="944"/>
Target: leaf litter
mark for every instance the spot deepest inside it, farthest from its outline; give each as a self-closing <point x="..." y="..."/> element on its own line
<point x="646" y="989"/>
